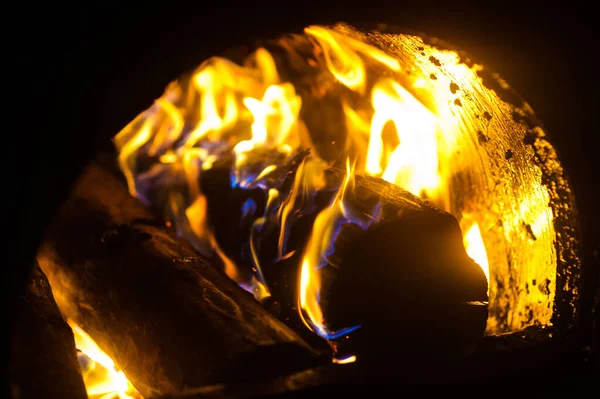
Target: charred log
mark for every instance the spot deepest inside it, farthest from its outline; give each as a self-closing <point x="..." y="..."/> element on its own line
<point x="43" y="355"/>
<point x="168" y="316"/>
<point x="407" y="279"/>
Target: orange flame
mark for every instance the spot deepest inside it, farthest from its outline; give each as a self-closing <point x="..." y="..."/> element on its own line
<point x="101" y="377"/>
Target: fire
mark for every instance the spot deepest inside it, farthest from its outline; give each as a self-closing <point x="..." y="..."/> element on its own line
<point x="413" y="163"/>
<point x="476" y="248"/>
<point x="321" y="244"/>
<point x="249" y="113"/>
<point x="101" y="377"/>
<point x="399" y="121"/>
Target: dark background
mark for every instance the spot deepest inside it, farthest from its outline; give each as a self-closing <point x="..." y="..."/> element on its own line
<point x="81" y="72"/>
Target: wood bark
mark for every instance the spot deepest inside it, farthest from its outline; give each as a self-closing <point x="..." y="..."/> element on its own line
<point x="168" y="316"/>
<point x="43" y="360"/>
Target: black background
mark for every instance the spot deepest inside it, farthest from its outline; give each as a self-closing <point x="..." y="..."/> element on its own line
<point x="79" y="73"/>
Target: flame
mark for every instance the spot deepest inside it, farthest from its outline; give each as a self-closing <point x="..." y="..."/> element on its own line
<point x="342" y="62"/>
<point x="101" y="377"/>
<point x="398" y="123"/>
<point x="345" y="360"/>
<point x="476" y="248"/>
<point x="343" y="59"/>
<point x="273" y="120"/>
<point x="320" y="245"/>
<point x="413" y="163"/>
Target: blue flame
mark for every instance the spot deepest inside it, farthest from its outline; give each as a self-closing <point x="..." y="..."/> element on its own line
<point x="340" y="333"/>
<point x="248" y="208"/>
<point x="347" y="215"/>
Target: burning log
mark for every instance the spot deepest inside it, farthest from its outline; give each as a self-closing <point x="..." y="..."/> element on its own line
<point x="406" y="280"/>
<point x="43" y="355"/>
<point x="168" y="316"/>
<point x="411" y="259"/>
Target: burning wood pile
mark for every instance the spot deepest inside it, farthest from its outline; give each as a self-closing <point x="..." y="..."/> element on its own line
<point x="331" y="197"/>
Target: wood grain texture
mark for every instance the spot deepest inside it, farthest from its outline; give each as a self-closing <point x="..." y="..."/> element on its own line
<point x="168" y="316"/>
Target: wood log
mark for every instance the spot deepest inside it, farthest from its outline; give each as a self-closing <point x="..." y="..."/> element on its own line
<point x="168" y="316"/>
<point x="43" y="356"/>
<point x="407" y="279"/>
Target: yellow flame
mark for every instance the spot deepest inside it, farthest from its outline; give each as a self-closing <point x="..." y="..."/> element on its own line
<point x="476" y="249"/>
<point x="343" y="63"/>
<point x="101" y="377"/>
<point x="212" y="85"/>
<point x="273" y="119"/>
<point x="128" y="142"/>
<point x="322" y="238"/>
<point x="343" y="60"/>
<point x="413" y="163"/>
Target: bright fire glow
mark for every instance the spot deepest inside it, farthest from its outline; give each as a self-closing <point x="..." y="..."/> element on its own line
<point x="476" y="249"/>
<point x="101" y="377"/>
<point x="413" y="164"/>
<point x="411" y="115"/>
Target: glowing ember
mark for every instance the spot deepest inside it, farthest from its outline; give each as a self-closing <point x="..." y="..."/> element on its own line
<point x="345" y="360"/>
<point x="101" y="377"/>
<point x="413" y="115"/>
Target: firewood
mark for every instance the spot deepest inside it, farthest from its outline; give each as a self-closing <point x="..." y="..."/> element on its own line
<point x="168" y="316"/>
<point x="43" y="356"/>
<point x="406" y="280"/>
